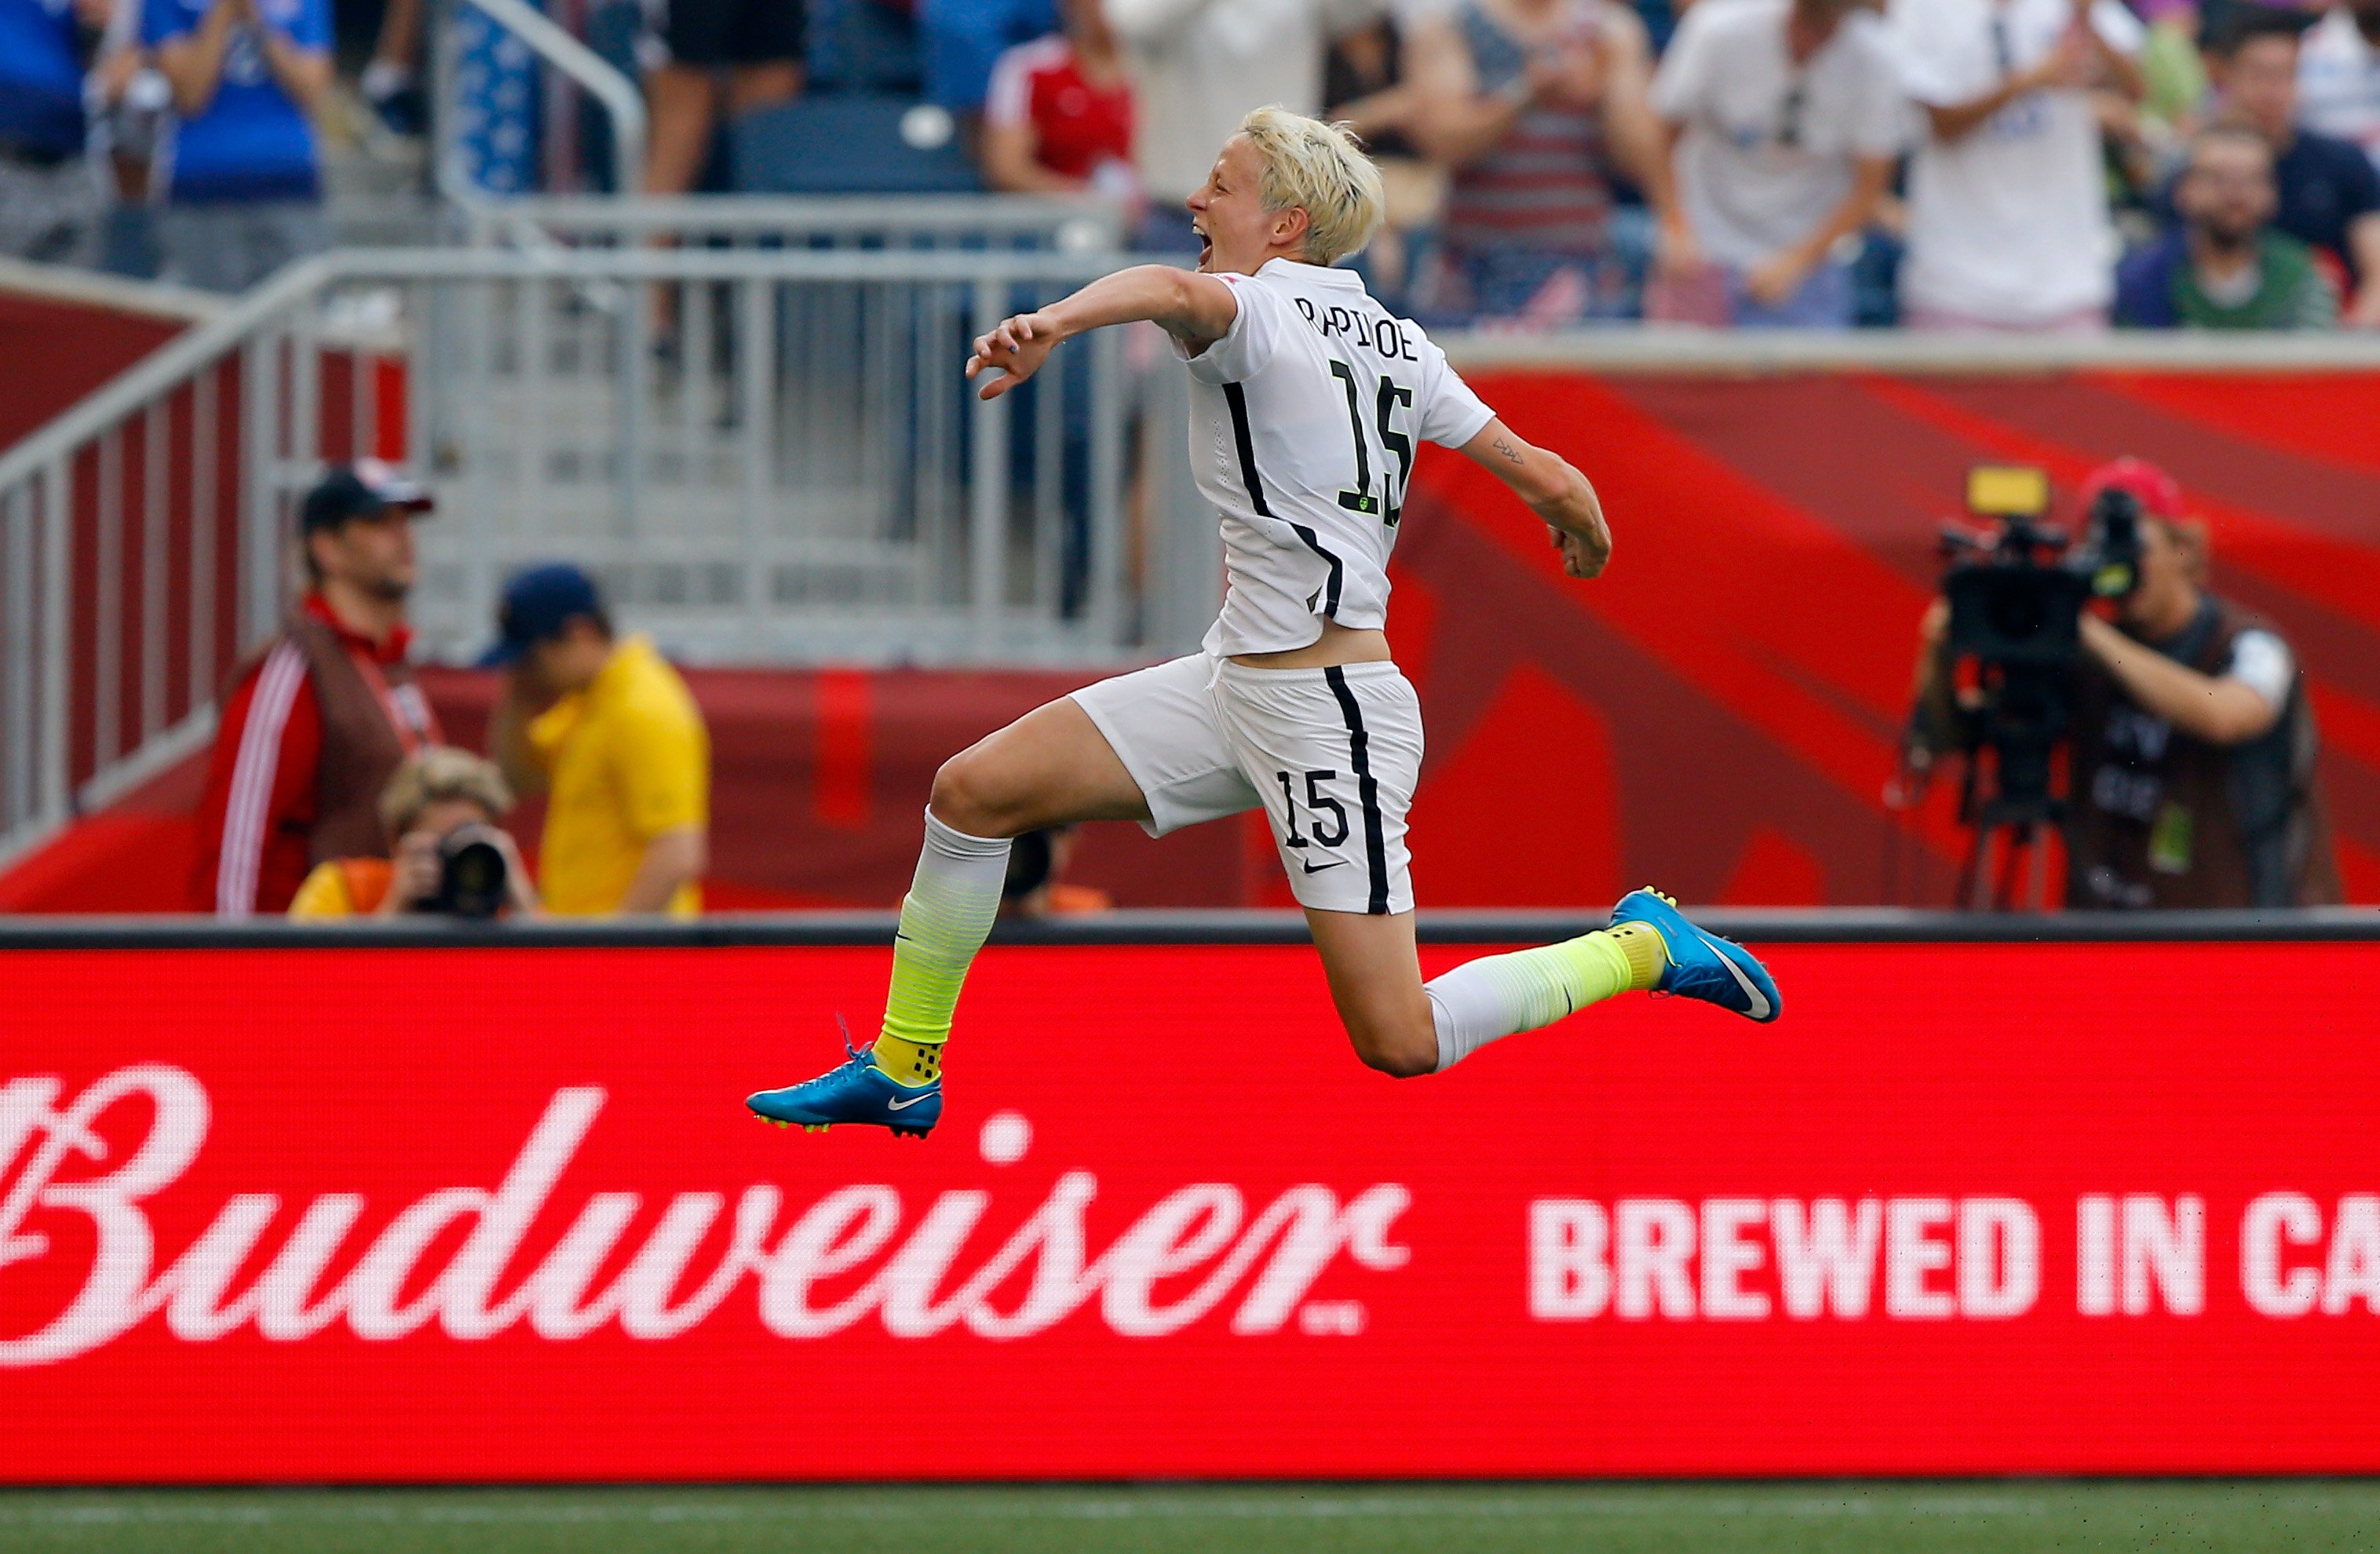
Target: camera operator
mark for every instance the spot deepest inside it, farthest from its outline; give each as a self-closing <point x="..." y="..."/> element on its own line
<point x="452" y="857"/>
<point x="2190" y="748"/>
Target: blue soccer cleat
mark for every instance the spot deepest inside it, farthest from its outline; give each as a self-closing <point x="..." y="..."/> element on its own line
<point x="1702" y="966"/>
<point x="856" y="1092"/>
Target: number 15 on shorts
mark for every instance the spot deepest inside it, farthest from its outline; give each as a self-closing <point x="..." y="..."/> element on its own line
<point x="1317" y="805"/>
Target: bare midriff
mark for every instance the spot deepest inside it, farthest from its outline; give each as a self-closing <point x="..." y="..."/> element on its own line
<point x="1338" y="644"/>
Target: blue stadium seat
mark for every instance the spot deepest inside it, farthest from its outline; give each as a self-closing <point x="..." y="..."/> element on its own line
<point x="835" y="143"/>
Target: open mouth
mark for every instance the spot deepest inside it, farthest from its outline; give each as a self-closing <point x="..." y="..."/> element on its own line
<point x="1206" y="245"/>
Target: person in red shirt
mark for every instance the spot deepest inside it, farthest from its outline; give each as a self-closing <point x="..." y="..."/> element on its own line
<point x="1058" y="116"/>
<point x="315" y="725"/>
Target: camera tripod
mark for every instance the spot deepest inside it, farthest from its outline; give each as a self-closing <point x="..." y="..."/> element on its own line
<point x="2008" y="833"/>
<point x="2013" y="820"/>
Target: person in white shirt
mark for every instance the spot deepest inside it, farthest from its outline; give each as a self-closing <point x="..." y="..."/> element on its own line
<point x="1784" y="120"/>
<point x="1199" y="65"/>
<point x="2008" y="198"/>
<point x="1309" y="399"/>
<point x="2339" y="76"/>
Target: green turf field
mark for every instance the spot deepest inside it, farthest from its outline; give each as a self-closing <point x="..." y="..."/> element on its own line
<point x="1854" y="1518"/>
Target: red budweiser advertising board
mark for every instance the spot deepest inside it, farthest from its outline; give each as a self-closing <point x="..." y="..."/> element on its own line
<point x="498" y="1214"/>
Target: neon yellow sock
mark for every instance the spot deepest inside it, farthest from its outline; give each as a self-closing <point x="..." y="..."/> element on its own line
<point x="909" y="1062"/>
<point x="1648" y="953"/>
<point x="944" y="920"/>
<point x="1499" y="995"/>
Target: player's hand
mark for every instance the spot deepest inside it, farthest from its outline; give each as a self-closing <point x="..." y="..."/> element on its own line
<point x="1017" y="348"/>
<point x="1582" y="556"/>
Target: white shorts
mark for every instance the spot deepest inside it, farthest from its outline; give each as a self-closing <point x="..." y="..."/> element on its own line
<point x="1332" y="755"/>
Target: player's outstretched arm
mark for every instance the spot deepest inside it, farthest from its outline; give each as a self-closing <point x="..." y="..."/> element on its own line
<point x="1554" y="492"/>
<point x="1194" y="307"/>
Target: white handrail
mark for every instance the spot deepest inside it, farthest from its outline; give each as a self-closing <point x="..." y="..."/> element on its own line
<point x="177" y="360"/>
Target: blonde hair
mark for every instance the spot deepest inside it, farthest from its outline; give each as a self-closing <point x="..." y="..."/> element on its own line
<point x="1322" y="169"/>
<point x="439" y="775"/>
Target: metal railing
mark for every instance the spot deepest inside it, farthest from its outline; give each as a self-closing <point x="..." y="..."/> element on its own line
<point x="972" y="222"/>
<point x="770" y="457"/>
<point x="767" y="456"/>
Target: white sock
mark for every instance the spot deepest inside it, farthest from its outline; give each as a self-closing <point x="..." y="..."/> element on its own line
<point x="945" y="918"/>
<point x="1500" y="995"/>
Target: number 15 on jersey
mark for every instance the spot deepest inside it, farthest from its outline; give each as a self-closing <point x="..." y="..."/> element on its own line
<point x="1388" y="505"/>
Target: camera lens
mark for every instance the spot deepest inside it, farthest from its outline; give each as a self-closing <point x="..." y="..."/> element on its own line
<point x="473" y="877"/>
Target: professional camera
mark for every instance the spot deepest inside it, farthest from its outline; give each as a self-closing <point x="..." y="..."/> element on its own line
<point x="2017" y="586"/>
<point x="473" y="880"/>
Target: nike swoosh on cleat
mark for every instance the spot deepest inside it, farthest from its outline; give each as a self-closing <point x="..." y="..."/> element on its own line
<point x="1759" y="1010"/>
<point x="892" y="1105"/>
<point x="1318" y="868"/>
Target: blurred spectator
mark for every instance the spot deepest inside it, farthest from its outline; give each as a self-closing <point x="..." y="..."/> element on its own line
<point x="2338" y="75"/>
<point x="1366" y="83"/>
<point x="964" y="38"/>
<point x="1784" y="120"/>
<point x="2330" y="195"/>
<point x="2226" y="268"/>
<point x="48" y="201"/>
<point x="742" y="54"/>
<point x="245" y="197"/>
<point x="313" y="727"/>
<point x="1535" y="106"/>
<point x="2007" y="192"/>
<point x="1200" y="67"/>
<point x="608" y="731"/>
<point x="132" y="107"/>
<point x="439" y="799"/>
<point x="1058" y="118"/>
<point x="391" y="83"/>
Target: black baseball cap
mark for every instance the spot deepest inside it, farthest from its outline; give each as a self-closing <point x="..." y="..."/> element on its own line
<point x="359" y="491"/>
<point x="536" y="605"/>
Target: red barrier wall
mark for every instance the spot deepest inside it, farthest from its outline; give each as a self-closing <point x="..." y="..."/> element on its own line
<point x="59" y="349"/>
<point x="1720" y="712"/>
<point x="497" y="1214"/>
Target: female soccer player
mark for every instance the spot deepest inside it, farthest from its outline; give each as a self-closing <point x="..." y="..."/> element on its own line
<point x="1307" y="397"/>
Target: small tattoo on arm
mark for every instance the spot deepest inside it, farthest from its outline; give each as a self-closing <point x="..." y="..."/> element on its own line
<point x="1507" y="449"/>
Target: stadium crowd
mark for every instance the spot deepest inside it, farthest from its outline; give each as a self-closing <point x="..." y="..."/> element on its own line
<point x="1998" y="165"/>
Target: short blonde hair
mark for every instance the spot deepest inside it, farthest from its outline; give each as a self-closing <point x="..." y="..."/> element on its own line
<point x="439" y="775"/>
<point x="1322" y="169"/>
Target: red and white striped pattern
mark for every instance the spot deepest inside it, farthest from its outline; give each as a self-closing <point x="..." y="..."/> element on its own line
<point x="277" y="685"/>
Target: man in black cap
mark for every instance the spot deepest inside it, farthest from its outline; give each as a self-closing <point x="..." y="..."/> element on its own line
<point x="315" y="725"/>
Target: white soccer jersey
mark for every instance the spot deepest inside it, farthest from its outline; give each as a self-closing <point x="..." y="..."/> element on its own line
<point x="1302" y="426"/>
